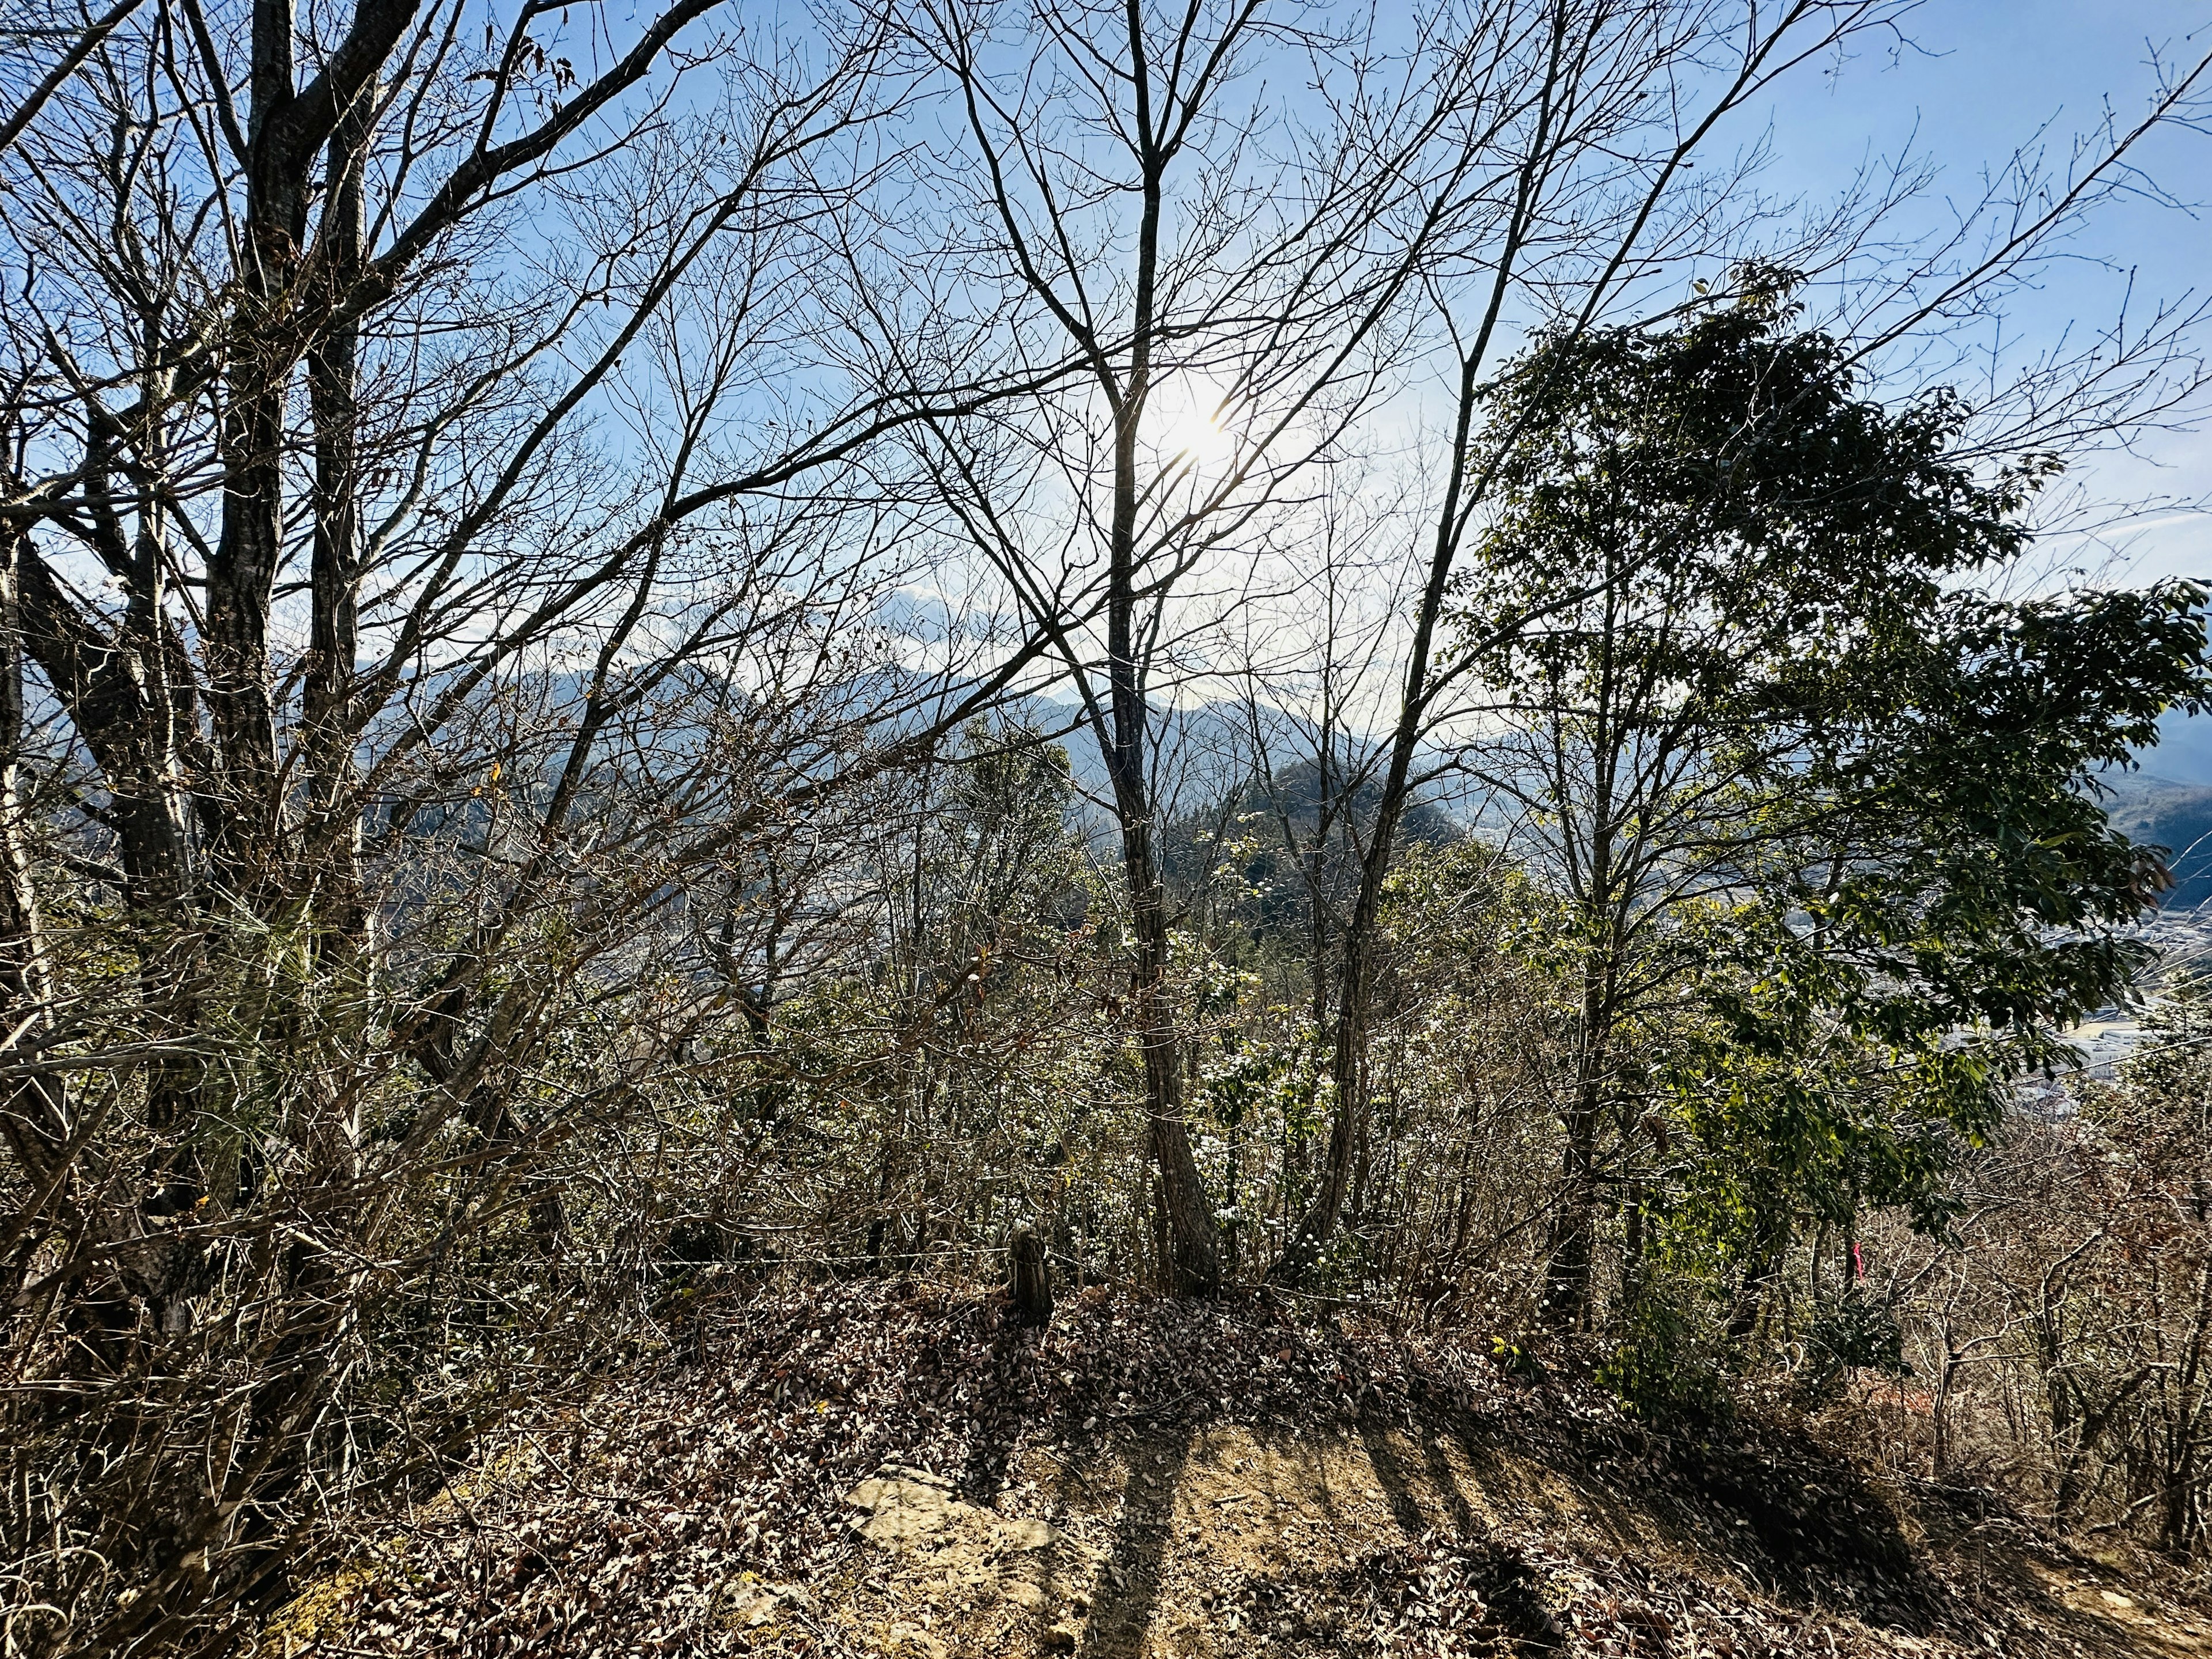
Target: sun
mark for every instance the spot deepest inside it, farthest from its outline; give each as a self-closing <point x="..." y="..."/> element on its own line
<point x="1188" y="424"/>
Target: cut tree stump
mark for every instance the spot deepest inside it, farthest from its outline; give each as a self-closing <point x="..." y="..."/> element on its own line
<point x="1031" y="1277"/>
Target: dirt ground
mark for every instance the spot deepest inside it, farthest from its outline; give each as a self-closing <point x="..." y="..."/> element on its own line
<point x="901" y="1473"/>
<point x="1223" y="1542"/>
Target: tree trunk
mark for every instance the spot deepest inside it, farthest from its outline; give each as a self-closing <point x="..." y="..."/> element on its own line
<point x="32" y="1118"/>
<point x="332" y="881"/>
<point x="1363" y="937"/>
<point x="241" y="577"/>
<point x="1567" y="1278"/>
<point x="1196" y="1269"/>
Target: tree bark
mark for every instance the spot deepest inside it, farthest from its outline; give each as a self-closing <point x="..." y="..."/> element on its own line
<point x="1196" y="1268"/>
<point x="333" y="878"/>
<point x="1030" y="1278"/>
<point x="241" y="577"/>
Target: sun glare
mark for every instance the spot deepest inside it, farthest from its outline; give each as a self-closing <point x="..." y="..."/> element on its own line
<point x="1188" y="425"/>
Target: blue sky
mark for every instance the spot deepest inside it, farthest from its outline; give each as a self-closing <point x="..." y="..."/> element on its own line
<point x="1976" y="80"/>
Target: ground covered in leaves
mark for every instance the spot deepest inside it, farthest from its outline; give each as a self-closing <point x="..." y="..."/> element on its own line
<point x="899" y="1470"/>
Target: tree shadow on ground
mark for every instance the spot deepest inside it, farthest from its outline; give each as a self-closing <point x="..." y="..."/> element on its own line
<point x="1128" y="1594"/>
<point x="1390" y="1475"/>
<point x="1801" y="1526"/>
<point x="1508" y="1582"/>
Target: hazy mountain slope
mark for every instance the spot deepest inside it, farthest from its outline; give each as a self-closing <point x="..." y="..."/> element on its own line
<point x="2175" y="816"/>
<point x="2184" y="749"/>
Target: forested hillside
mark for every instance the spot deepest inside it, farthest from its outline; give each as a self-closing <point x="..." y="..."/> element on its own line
<point x="948" y="827"/>
<point x="2178" y="817"/>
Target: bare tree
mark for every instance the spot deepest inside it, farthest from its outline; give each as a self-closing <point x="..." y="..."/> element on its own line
<point x="1229" y="278"/>
<point x="408" y="604"/>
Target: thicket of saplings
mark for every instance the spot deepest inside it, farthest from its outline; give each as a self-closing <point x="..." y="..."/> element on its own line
<point x="1689" y="1050"/>
<point x="382" y="1260"/>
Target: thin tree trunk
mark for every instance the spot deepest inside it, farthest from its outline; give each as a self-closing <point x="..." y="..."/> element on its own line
<point x="334" y="634"/>
<point x="1362" y="941"/>
<point x="1197" y="1262"/>
<point x="1361" y="936"/>
<point x="33" y="1119"/>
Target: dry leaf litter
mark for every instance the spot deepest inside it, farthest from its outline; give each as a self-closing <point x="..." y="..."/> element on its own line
<point x="897" y="1469"/>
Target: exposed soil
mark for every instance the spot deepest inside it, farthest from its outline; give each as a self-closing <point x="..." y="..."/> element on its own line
<point x="897" y="1472"/>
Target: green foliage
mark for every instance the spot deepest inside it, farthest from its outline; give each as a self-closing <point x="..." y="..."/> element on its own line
<point x="1668" y="1360"/>
<point x="2172" y="1075"/>
<point x="1854" y="1332"/>
<point x="1817" y="817"/>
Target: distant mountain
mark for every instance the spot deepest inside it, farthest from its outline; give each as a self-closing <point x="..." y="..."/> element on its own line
<point x="1198" y="753"/>
<point x="2173" y="815"/>
<point x="2183" y="754"/>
